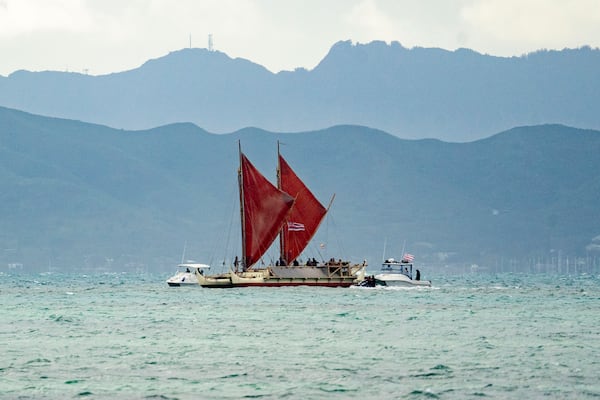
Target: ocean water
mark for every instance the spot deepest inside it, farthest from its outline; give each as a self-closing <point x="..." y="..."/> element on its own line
<point x="122" y="336"/>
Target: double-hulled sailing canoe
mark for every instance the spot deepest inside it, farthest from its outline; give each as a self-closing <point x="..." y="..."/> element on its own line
<point x="290" y="211"/>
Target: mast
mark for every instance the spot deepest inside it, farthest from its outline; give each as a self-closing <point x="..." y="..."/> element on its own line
<point x="281" y="232"/>
<point x="241" y="192"/>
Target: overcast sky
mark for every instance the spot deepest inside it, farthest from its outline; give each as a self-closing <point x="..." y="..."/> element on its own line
<point x="104" y="36"/>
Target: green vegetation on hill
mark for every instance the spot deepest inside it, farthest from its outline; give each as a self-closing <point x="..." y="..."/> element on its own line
<point x="84" y="196"/>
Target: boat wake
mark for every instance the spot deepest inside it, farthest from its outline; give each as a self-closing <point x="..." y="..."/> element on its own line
<point x="396" y="288"/>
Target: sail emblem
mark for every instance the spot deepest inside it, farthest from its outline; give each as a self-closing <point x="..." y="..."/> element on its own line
<point x="295" y="226"/>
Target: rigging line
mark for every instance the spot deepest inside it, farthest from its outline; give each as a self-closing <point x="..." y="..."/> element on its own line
<point x="327" y="215"/>
<point x="326" y="241"/>
<point x="337" y="239"/>
<point x="183" y="253"/>
<point x="315" y="250"/>
<point x="225" y="236"/>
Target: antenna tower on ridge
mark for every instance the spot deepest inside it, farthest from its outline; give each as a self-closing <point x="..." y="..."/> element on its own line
<point x="210" y="42"/>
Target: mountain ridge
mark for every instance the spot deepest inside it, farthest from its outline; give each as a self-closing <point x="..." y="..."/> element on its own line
<point x="455" y="96"/>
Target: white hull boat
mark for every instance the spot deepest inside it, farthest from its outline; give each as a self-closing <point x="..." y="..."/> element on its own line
<point x="396" y="274"/>
<point x="399" y="279"/>
<point x="186" y="274"/>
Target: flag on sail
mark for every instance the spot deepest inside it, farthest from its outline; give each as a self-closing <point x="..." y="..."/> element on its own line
<point x="295" y="226"/>
<point x="408" y="257"/>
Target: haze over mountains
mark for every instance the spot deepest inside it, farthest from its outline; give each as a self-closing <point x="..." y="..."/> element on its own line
<point x="455" y="96"/>
<point x="81" y="196"/>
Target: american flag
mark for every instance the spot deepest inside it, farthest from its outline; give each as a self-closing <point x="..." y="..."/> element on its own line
<point x="295" y="226"/>
<point x="408" y="257"/>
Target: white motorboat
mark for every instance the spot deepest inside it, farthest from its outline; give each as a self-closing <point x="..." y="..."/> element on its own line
<point x="186" y="274"/>
<point x="399" y="273"/>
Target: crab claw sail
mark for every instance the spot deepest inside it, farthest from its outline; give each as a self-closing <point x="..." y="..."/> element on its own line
<point x="264" y="208"/>
<point x="305" y="217"/>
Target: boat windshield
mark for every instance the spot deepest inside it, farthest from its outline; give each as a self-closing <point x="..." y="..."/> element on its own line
<point x="191" y="267"/>
<point x="395" y="267"/>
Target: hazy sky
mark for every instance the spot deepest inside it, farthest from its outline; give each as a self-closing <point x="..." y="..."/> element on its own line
<point x="104" y="36"/>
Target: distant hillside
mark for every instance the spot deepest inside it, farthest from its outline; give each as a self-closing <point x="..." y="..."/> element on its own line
<point x="83" y="196"/>
<point x="412" y="93"/>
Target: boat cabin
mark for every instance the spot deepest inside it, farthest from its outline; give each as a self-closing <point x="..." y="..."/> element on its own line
<point x="392" y="266"/>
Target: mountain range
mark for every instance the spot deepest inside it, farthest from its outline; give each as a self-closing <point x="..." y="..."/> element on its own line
<point x="77" y="195"/>
<point x="455" y="96"/>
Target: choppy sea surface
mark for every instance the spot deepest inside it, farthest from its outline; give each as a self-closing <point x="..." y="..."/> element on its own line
<point x="124" y="336"/>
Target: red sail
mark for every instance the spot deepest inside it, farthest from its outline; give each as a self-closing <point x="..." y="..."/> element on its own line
<point x="264" y="208"/>
<point x="302" y="222"/>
